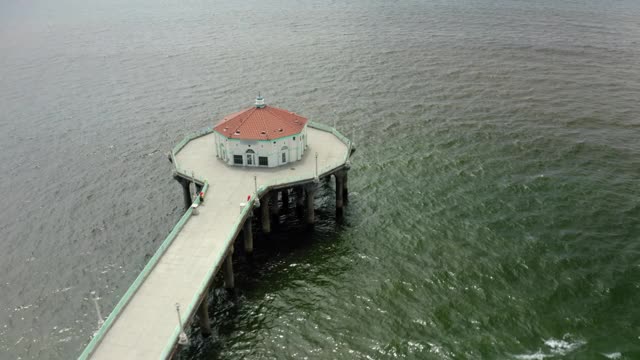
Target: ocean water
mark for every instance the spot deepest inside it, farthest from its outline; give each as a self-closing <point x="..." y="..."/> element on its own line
<point x="495" y="194"/>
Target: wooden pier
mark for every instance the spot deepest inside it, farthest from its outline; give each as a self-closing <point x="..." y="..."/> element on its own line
<point x="144" y="324"/>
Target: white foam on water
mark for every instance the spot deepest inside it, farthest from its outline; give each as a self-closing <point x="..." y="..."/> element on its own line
<point x="563" y="346"/>
<point x="556" y="347"/>
<point x="613" y="355"/>
<point x="415" y="347"/>
<point x="539" y="355"/>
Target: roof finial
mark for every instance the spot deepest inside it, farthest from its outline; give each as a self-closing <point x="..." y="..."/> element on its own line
<point x="260" y="101"/>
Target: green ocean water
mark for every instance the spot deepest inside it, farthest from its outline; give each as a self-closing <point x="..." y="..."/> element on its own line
<point x="494" y="197"/>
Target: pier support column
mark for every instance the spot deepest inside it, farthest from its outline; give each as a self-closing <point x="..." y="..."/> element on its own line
<point x="275" y="209"/>
<point x="299" y="197"/>
<point x="310" y="191"/>
<point x="345" y="188"/>
<point x="266" y="216"/>
<point x="186" y="192"/>
<point x="339" y="175"/>
<point x="193" y="190"/>
<point x="299" y="191"/>
<point x="203" y="316"/>
<point x="285" y="200"/>
<point x="228" y="271"/>
<point x="247" y="234"/>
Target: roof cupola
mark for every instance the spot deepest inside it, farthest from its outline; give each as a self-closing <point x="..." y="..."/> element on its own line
<point x="260" y="102"/>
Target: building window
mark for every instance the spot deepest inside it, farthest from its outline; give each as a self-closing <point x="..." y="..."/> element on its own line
<point x="237" y="159"/>
<point x="294" y="138"/>
<point x="263" y="161"/>
<point x="284" y="152"/>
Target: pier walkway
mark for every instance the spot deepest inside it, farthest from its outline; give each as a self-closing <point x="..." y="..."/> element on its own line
<point x="144" y="323"/>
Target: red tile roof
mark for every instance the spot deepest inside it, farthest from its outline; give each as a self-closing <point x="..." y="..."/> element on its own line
<point x="266" y="123"/>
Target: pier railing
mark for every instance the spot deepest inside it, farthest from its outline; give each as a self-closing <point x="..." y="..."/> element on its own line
<point x="192" y="306"/>
<point x="244" y="213"/>
<point x="336" y="133"/>
<point x="183" y="143"/>
<point x="115" y="313"/>
<point x="204" y="285"/>
<point x="209" y="130"/>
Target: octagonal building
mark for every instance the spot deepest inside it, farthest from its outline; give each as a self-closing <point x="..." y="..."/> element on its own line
<point x="261" y="136"/>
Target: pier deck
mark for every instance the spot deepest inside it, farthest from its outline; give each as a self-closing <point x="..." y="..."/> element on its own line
<point x="144" y="325"/>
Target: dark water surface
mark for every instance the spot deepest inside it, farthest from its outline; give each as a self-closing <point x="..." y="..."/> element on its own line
<point x="495" y="205"/>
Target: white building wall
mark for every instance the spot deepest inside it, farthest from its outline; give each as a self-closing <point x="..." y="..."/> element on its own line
<point x="225" y="149"/>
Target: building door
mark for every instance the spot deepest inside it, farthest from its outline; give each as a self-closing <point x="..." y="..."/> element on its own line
<point x="284" y="155"/>
<point x="251" y="158"/>
<point x="223" y="154"/>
